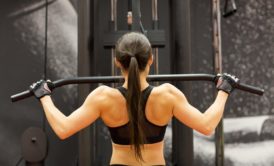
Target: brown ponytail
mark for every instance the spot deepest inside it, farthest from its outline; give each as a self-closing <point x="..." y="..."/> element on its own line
<point x="134" y="107"/>
<point x="133" y="51"/>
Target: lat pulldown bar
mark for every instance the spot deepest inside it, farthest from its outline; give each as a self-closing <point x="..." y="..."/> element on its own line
<point x="151" y="78"/>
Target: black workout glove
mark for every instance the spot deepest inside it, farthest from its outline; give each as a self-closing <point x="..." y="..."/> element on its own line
<point x="226" y="82"/>
<point x="41" y="88"/>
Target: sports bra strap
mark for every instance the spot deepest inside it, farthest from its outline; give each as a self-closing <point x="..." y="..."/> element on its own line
<point x="153" y="133"/>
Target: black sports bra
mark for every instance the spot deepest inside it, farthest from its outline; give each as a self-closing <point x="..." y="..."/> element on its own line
<point x="153" y="133"/>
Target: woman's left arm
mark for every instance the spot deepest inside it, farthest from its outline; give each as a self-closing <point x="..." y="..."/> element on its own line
<point x="204" y="122"/>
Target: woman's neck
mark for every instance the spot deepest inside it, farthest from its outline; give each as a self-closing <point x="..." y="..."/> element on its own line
<point x="143" y="80"/>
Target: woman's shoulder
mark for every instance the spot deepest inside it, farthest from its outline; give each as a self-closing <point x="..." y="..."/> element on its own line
<point x="165" y="88"/>
<point x="104" y="96"/>
<point x="167" y="91"/>
<point x="105" y="90"/>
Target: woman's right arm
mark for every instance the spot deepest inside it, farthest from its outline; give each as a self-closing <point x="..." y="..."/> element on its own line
<point x="65" y="126"/>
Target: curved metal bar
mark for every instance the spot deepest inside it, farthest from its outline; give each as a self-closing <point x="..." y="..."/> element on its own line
<point x="151" y="78"/>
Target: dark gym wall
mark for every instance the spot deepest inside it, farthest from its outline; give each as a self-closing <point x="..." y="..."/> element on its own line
<point x="22" y="31"/>
<point x="248" y="51"/>
<point x="247" y="44"/>
<point x="201" y="52"/>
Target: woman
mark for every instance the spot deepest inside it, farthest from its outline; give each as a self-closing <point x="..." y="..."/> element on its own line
<point x="136" y="113"/>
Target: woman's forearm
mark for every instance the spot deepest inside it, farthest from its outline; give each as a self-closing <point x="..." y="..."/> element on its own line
<point x="214" y="113"/>
<point x="56" y="119"/>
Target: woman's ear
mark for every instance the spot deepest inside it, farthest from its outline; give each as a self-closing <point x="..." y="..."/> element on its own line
<point x="117" y="63"/>
<point x="150" y="60"/>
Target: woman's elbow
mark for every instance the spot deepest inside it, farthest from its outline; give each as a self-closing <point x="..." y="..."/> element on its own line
<point x="206" y="127"/>
<point x="62" y="137"/>
<point x="63" y="134"/>
<point x="207" y="131"/>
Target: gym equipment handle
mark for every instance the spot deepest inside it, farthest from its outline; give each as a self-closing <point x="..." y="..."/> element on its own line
<point x="151" y="78"/>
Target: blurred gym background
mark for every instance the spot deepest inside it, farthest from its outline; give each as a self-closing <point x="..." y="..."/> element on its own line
<point x="76" y="44"/>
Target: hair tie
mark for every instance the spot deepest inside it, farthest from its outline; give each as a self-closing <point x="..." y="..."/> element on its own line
<point x="131" y="55"/>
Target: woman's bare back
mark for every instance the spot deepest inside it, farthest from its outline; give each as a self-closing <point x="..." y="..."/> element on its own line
<point x="158" y="111"/>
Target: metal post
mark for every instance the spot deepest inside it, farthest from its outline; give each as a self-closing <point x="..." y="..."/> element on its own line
<point x="114" y="23"/>
<point x="217" y="46"/>
<point x="135" y="6"/>
<point x="155" y="27"/>
<point x="85" y="137"/>
<point x="182" y="136"/>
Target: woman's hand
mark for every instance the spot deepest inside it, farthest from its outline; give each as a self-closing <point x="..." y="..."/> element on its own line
<point x="226" y="82"/>
<point x="41" y="88"/>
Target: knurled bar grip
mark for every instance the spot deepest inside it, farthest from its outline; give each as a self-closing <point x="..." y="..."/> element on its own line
<point x="151" y="78"/>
